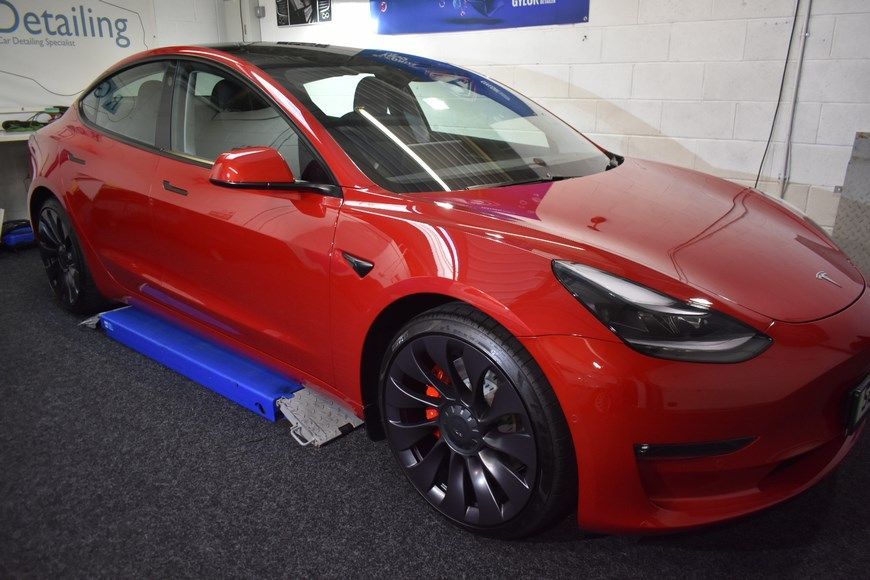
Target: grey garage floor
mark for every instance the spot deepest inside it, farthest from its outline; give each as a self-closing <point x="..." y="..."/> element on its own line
<point x="111" y="465"/>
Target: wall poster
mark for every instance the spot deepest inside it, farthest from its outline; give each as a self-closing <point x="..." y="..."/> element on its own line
<point x="415" y="16"/>
<point x="292" y="12"/>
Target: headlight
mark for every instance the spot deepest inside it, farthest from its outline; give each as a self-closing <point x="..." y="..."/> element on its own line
<point x="656" y="324"/>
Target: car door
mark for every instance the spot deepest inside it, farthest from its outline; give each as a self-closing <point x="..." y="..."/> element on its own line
<point x="251" y="263"/>
<point x="110" y="165"/>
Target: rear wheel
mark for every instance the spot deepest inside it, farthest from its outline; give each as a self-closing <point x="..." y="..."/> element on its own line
<point x="64" y="261"/>
<point x="475" y="426"/>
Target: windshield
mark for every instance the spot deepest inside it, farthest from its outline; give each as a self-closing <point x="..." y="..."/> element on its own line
<point x="413" y="124"/>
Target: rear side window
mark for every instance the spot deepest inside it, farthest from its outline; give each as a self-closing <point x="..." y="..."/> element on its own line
<point x="213" y="112"/>
<point x="128" y="103"/>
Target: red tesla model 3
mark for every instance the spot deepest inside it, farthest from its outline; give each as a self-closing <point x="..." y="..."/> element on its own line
<point x="532" y="323"/>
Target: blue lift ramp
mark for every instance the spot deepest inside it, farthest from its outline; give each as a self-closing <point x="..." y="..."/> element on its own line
<point x="222" y="370"/>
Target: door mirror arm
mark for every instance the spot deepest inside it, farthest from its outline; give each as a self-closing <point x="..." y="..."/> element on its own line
<point x="301" y="186"/>
<point x="262" y="168"/>
<point x="323" y="188"/>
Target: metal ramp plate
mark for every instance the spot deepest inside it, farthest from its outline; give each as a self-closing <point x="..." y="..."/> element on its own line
<point x="224" y="371"/>
<point x="316" y="419"/>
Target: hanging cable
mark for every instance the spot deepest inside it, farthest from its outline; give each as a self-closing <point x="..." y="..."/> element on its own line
<point x="786" y="171"/>
<point x="45" y="88"/>
<point x="781" y="90"/>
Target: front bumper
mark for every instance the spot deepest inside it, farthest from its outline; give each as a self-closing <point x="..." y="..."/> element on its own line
<point x="791" y="399"/>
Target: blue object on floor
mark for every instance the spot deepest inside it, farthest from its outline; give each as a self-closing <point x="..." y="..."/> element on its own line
<point x="20" y="236"/>
<point x="226" y="372"/>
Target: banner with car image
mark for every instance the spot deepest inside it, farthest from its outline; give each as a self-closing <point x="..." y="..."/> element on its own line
<point x="416" y="16"/>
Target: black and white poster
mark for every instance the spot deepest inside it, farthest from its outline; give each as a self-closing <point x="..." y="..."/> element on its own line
<point x="291" y="12"/>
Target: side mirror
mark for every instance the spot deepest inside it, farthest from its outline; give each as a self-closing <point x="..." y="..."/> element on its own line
<point x="252" y="168"/>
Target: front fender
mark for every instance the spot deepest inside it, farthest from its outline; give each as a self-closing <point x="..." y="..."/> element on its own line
<point x="416" y="254"/>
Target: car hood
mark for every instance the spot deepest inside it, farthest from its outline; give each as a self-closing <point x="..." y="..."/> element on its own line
<point x="709" y="233"/>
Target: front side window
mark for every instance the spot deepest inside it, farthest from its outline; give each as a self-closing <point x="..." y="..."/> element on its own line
<point x="128" y="103"/>
<point x="214" y="112"/>
<point x="413" y="124"/>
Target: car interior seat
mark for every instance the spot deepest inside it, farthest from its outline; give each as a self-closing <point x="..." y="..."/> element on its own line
<point x="139" y="122"/>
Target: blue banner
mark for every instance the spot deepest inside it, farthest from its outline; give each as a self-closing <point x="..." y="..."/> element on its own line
<point x="415" y="16"/>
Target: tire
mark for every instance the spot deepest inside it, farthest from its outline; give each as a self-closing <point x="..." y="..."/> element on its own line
<point x="64" y="261"/>
<point x="496" y="459"/>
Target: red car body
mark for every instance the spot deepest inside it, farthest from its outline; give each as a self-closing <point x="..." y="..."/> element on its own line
<point x="213" y="259"/>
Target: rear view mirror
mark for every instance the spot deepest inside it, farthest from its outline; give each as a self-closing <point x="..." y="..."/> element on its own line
<point x="252" y="168"/>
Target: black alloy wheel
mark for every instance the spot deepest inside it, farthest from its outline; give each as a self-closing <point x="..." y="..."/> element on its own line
<point x="456" y="421"/>
<point x="64" y="261"/>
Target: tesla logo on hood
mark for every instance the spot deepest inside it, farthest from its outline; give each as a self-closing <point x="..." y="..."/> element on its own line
<point x="824" y="276"/>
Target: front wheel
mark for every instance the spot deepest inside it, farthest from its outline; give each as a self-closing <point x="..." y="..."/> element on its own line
<point x="475" y="426"/>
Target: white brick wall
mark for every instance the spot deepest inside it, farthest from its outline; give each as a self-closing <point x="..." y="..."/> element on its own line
<point x="547" y="80"/>
<point x="707" y="41"/>
<point x="703" y="119"/>
<point x="186" y="22"/>
<point x="688" y="82"/>
<point x="607" y="81"/>
<point x="636" y="43"/>
<point x="668" y="80"/>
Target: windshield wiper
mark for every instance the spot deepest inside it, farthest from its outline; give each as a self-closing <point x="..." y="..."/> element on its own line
<point x="546" y="179"/>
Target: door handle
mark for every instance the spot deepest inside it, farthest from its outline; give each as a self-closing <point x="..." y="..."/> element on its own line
<point x="75" y="159"/>
<point x="169" y="187"/>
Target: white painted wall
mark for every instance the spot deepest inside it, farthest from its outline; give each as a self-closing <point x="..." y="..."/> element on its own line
<point x="58" y="73"/>
<point x="688" y="82"/>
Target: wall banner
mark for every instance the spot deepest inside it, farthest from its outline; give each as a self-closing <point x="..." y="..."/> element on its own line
<point x="416" y="16"/>
<point x="291" y="12"/>
<point x="52" y="49"/>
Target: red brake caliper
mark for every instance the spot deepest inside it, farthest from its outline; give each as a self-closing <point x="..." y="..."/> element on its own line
<point x="431" y="391"/>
